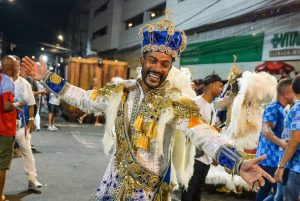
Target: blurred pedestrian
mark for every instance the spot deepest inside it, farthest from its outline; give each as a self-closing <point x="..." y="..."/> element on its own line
<point x="198" y="86"/>
<point x="291" y="157"/>
<point x="270" y="141"/>
<point x="40" y="96"/>
<point x="23" y="92"/>
<point x="8" y="115"/>
<point x="53" y="107"/>
<point x="213" y="89"/>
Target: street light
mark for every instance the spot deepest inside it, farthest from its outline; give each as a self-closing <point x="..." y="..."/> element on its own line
<point x="11" y="1"/>
<point x="42" y="48"/>
<point x="44" y="58"/>
<point x="60" y="37"/>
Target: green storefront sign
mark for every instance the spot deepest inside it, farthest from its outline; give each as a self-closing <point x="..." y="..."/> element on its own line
<point x="248" y="48"/>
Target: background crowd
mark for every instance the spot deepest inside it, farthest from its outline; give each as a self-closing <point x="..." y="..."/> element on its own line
<point x="22" y="99"/>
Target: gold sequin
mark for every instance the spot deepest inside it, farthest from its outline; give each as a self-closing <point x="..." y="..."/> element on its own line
<point x="185" y="109"/>
<point x="106" y="91"/>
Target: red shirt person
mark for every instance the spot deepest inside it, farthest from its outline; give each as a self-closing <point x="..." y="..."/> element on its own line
<point x="8" y="116"/>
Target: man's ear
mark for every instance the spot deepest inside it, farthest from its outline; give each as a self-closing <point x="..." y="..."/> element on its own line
<point x="141" y="60"/>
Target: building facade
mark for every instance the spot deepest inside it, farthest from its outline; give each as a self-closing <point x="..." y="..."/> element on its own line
<point x="216" y="30"/>
<point x="77" y="37"/>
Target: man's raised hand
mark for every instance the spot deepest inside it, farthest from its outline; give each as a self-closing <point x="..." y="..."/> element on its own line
<point x="36" y="70"/>
<point x="253" y="174"/>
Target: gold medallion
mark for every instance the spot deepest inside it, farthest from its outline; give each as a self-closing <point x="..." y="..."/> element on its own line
<point x="55" y="79"/>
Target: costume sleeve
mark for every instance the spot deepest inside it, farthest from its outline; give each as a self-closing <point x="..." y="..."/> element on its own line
<point x="92" y="101"/>
<point x="206" y="138"/>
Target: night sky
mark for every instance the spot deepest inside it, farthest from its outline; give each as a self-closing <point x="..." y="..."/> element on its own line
<point x="27" y="23"/>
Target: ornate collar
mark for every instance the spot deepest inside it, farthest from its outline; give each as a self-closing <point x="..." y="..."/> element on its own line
<point x="161" y="90"/>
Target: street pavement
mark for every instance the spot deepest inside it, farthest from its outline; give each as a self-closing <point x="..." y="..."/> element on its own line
<point x="70" y="166"/>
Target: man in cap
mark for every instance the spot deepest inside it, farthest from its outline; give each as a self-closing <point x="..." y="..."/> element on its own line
<point x="213" y="89"/>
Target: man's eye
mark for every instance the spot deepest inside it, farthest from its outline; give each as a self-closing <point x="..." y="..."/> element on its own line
<point x="165" y="65"/>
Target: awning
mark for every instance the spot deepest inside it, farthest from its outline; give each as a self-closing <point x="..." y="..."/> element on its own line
<point x="275" y="67"/>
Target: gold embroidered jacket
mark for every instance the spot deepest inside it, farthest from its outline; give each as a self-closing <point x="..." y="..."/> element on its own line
<point x="160" y="126"/>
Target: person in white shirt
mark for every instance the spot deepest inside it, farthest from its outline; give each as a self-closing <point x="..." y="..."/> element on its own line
<point x="213" y="89"/>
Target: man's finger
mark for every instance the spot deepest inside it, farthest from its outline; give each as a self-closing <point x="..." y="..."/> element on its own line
<point x="26" y="64"/>
<point x="29" y="60"/>
<point x="26" y="60"/>
<point x="261" y="158"/>
<point x="255" y="186"/>
<point x="268" y="177"/>
<point x="261" y="181"/>
<point x="42" y="61"/>
<point x="29" y="71"/>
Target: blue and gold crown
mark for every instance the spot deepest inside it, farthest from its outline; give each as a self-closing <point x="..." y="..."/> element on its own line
<point x="163" y="37"/>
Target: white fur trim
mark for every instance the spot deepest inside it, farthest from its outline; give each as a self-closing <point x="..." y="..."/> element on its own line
<point x="166" y="116"/>
<point x="181" y="81"/>
<point x="183" y="152"/>
<point x="111" y="115"/>
<point x="217" y="175"/>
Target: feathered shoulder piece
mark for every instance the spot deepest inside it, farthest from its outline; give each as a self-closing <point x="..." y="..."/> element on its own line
<point x="183" y="105"/>
<point x="116" y="86"/>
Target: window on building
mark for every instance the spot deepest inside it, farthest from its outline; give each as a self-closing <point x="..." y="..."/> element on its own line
<point x="99" y="33"/>
<point x="157" y="11"/>
<point x="101" y="9"/>
<point x="137" y="20"/>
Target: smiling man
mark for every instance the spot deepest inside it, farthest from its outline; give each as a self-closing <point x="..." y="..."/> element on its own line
<point x="151" y="126"/>
<point x="154" y="77"/>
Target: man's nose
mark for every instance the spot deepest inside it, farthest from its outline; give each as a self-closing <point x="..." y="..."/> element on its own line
<point x="158" y="67"/>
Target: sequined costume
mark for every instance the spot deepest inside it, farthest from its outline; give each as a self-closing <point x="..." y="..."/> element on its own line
<point x="153" y="134"/>
<point x="145" y="128"/>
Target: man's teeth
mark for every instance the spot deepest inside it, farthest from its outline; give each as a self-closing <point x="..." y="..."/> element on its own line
<point x="153" y="75"/>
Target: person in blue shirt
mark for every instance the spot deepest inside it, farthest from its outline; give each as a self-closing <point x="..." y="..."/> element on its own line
<point x="270" y="141"/>
<point x="291" y="157"/>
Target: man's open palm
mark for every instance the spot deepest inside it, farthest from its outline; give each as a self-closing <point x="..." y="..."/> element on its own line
<point x="253" y="174"/>
<point x="36" y="70"/>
